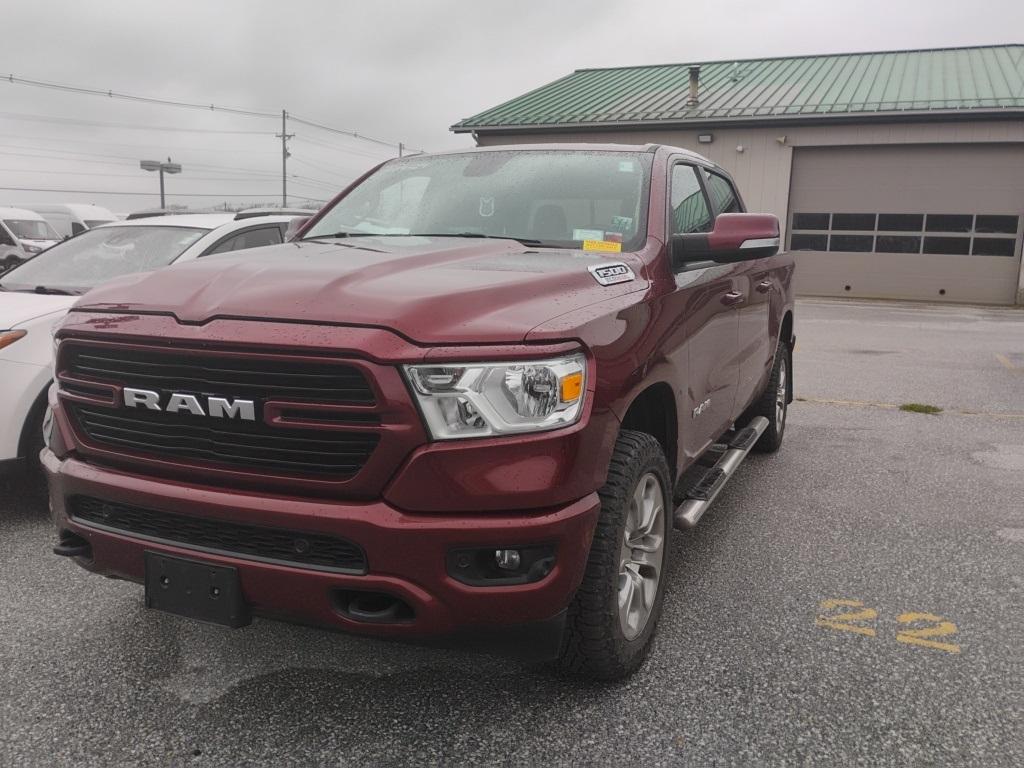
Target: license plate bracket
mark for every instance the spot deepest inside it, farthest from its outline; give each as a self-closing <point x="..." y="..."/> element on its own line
<point x="195" y="590"/>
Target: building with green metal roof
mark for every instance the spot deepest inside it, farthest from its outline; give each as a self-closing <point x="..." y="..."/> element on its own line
<point x="841" y="147"/>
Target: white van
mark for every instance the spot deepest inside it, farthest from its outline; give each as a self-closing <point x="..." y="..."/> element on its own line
<point x="23" y="234"/>
<point x="71" y="218"/>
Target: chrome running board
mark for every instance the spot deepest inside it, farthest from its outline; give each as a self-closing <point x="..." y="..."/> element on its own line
<point x="707" y="488"/>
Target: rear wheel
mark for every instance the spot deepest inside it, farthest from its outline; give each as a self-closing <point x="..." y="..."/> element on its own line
<point x="616" y="608"/>
<point x="774" y="402"/>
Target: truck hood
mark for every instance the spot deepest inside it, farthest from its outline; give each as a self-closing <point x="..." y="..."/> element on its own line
<point x="18" y="308"/>
<point x="431" y="290"/>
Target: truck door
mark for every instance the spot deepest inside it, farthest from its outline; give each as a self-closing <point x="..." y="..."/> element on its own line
<point x="705" y="303"/>
<point x="755" y="354"/>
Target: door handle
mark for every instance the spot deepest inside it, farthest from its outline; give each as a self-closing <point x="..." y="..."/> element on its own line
<point x="764" y="286"/>
<point x="732" y="297"/>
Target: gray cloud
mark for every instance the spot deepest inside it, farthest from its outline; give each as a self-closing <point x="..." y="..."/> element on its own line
<point x="403" y="71"/>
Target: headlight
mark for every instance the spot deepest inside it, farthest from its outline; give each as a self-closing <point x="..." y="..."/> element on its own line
<point x="480" y="399"/>
<point x="9" y="337"/>
<point x="31" y="248"/>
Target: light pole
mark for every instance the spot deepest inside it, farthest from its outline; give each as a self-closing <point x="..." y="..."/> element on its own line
<point x="156" y="165"/>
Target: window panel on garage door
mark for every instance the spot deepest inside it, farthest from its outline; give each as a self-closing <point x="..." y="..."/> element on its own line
<point x="957" y="234"/>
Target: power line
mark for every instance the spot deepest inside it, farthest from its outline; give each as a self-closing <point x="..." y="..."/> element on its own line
<point x="346" y="150"/>
<point x="132" y="97"/>
<point x="125" y="126"/>
<point x="343" y="132"/>
<point x="326" y="184"/>
<point x="137" y="147"/>
<point x="191" y="105"/>
<point x="323" y="167"/>
<point x="117" y="159"/>
<point x="146" y="194"/>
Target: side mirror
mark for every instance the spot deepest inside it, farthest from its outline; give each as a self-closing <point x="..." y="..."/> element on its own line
<point x="294" y="226"/>
<point x="735" y="237"/>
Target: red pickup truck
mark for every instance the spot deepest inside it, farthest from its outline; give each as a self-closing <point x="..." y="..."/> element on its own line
<point x="472" y="398"/>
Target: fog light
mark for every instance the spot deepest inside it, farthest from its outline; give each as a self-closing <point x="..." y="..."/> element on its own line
<point x="507" y="559"/>
<point x="501" y="566"/>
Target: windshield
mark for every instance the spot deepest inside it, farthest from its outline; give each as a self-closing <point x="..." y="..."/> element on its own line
<point x="556" y="198"/>
<point x="98" y="255"/>
<point x="31" y="229"/>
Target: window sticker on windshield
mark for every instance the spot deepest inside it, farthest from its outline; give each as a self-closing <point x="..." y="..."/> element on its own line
<point x="622" y="223"/>
<point x="626" y="166"/>
<point x="605" y="246"/>
<point x="587" y="234"/>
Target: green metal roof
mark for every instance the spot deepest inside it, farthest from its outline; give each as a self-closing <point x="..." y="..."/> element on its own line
<point x="981" y="79"/>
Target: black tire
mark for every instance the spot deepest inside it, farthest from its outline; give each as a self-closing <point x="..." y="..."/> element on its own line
<point x="34" y="441"/>
<point x="769" y="403"/>
<point x="595" y="644"/>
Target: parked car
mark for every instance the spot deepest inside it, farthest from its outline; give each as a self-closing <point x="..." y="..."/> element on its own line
<point x="35" y="295"/>
<point x="475" y="394"/>
<point x="70" y="219"/>
<point x="23" y="234"/>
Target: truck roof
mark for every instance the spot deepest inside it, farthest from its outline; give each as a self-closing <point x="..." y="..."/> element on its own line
<point x="18" y="213"/>
<point x="575" y="147"/>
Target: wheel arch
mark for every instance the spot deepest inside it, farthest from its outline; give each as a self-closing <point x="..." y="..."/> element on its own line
<point x="786" y="334"/>
<point x="654" y="412"/>
<point x="38" y="406"/>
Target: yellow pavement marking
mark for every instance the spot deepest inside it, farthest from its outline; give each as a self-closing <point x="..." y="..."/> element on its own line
<point x="841" y="621"/>
<point x="1006" y="362"/>
<point x="941" y="628"/>
<point x="830" y="401"/>
<point x="894" y="406"/>
<point x="859" y="621"/>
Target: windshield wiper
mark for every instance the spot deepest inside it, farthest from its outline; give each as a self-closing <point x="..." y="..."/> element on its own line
<point x="523" y="240"/>
<point x="50" y="291"/>
<point x="338" y="235"/>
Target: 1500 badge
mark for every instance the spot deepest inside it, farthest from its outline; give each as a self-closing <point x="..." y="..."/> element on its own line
<point x="611" y="274"/>
<point x="701" y="408"/>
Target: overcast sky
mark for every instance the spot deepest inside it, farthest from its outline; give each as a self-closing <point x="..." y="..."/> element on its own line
<point x="398" y="70"/>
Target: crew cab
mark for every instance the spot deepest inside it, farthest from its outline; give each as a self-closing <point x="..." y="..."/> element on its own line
<point x="471" y="399"/>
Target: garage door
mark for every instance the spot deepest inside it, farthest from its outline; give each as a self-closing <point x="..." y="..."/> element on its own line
<point x="935" y="222"/>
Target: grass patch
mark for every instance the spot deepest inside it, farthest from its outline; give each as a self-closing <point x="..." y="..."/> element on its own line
<point x="920" y="408"/>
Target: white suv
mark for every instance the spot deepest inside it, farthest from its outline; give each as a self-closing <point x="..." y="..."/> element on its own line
<point x="37" y="294"/>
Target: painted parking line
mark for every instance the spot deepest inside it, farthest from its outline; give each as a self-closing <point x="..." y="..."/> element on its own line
<point x="1006" y="363"/>
<point x="895" y="406"/>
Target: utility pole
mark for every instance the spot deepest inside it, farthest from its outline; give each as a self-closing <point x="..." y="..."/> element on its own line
<point x="284" y="136"/>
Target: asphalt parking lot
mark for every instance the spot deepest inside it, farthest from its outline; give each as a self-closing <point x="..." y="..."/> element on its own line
<point x="855" y="599"/>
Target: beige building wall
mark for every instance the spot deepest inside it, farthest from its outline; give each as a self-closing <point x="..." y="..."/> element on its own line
<point x="760" y="159"/>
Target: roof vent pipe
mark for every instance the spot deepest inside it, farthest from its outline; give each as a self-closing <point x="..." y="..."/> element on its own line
<point x="694" y="84"/>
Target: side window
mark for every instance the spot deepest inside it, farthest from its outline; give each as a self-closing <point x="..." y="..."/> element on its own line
<point x="250" y="238"/>
<point x="76" y="228"/>
<point x="689" y="206"/>
<point x="723" y="196"/>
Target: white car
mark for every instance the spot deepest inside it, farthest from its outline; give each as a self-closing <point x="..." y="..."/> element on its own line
<point x="37" y="294"/>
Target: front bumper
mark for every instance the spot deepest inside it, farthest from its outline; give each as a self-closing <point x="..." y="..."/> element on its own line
<point x="405" y="552"/>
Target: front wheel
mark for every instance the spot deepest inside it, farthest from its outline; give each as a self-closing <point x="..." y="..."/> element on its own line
<point x="614" y="613"/>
